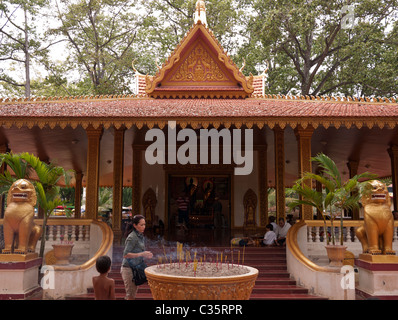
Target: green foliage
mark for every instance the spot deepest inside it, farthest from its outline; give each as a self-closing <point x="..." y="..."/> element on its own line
<point x="338" y="195"/>
<point x="105" y="197"/>
<point x="310" y="54"/>
<point x="127" y="197"/>
<point x="302" y="42"/>
<point x="100" y="36"/>
<point x="21" y="42"/>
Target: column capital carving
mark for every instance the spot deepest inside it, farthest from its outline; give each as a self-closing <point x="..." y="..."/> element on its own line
<point x="120" y="129"/>
<point x="94" y="132"/>
<point x="300" y="132"/>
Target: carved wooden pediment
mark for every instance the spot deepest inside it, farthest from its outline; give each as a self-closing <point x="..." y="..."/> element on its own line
<point x="199" y="68"/>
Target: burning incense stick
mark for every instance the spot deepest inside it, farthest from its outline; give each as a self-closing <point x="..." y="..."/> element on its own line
<point x="195" y="265"/>
<point x="164" y="252"/>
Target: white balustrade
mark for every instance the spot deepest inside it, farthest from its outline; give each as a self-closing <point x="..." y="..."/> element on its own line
<point x="61" y="232"/>
<point x="316" y="236"/>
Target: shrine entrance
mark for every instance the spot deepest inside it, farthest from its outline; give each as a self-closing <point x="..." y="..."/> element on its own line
<point x="209" y="200"/>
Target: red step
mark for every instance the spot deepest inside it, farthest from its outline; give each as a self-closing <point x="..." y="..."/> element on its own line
<point x="273" y="282"/>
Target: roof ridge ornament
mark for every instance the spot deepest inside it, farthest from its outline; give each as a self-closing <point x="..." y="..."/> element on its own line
<point x="200" y="12"/>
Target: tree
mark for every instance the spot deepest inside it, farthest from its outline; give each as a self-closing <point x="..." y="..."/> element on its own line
<point x="20" y="41"/>
<point x="312" y="52"/>
<point x="169" y="20"/>
<point x="101" y="35"/>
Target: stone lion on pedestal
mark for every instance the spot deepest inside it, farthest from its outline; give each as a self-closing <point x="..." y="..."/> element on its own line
<point x="376" y="234"/>
<point x="20" y="232"/>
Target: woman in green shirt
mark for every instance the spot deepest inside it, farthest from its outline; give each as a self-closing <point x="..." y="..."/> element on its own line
<point x="135" y="250"/>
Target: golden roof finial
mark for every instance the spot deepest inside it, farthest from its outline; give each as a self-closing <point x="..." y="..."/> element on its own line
<point x="135" y="70"/>
<point x="267" y="67"/>
<point x="243" y="66"/>
<point x="157" y="64"/>
<point x="200" y="12"/>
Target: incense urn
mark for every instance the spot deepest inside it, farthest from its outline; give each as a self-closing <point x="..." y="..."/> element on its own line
<point x="181" y="287"/>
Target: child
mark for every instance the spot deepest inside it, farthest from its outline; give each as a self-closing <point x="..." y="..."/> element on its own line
<point x="104" y="287"/>
<point x="270" y="236"/>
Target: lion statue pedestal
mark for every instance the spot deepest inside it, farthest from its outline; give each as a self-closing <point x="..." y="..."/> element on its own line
<point x="19" y="275"/>
<point x="377" y="264"/>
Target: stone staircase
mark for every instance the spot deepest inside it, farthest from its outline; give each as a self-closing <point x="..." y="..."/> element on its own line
<point x="273" y="282"/>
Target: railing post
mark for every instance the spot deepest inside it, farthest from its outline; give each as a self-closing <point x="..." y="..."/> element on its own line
<point x="317" y="237"/>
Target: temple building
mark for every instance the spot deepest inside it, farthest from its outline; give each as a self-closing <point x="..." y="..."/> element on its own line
<point x="201" y="127"/>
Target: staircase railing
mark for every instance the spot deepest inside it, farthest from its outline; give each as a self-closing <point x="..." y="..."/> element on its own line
<point x="319" y="280"/>
<point x="80" y="232"/>
<point x="293" y="247"/>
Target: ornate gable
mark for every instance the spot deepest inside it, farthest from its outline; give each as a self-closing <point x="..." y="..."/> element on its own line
<point x="199" y="68"/>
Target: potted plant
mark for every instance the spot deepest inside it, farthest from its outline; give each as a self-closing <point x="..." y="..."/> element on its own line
<point x="63" y="251"/>
<point x="338" y="195"/>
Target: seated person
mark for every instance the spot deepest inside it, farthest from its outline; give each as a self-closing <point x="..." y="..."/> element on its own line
<point x="281" y="232"/>
<point x="242" y="242"/>
<point x="270" y="236"/>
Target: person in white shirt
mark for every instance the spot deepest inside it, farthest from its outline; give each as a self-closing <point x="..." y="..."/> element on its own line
<point x="281" y="232"/>
<point x="272" y="221"/>
<point x="270" y="236"/>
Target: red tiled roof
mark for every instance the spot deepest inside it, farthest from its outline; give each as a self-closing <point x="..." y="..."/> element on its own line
<point x="167" y="108"/>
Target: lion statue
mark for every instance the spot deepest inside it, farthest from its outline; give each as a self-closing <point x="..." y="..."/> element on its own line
<point x="20" y="232"/>
<point x="376" y="234"/>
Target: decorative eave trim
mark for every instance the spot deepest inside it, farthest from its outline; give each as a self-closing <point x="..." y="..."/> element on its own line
<point x="204" y="122"/>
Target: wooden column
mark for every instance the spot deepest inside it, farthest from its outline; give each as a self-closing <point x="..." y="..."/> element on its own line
<point x="303" y="137"/>
<point x="137" y="174"/>
<point x="118" y="166"/>
<point x="393" y="152"/>
<point x="263" y="185"/>
<point x="78" y="194"/>
<point x="279" y="142"/>
<point x="352" y="171"/>
<point x="93" y="155"/>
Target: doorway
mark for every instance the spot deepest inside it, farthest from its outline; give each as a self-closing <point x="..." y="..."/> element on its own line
<point x="209" y="200"/>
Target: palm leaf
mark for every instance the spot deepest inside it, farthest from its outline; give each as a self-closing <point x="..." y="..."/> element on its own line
<point x="329" y="168"/>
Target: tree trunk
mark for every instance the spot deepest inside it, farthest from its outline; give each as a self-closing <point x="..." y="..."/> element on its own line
<point x="27" y="58"/>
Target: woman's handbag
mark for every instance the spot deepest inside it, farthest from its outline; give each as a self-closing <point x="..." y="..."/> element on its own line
<point x="139" y="276"/>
